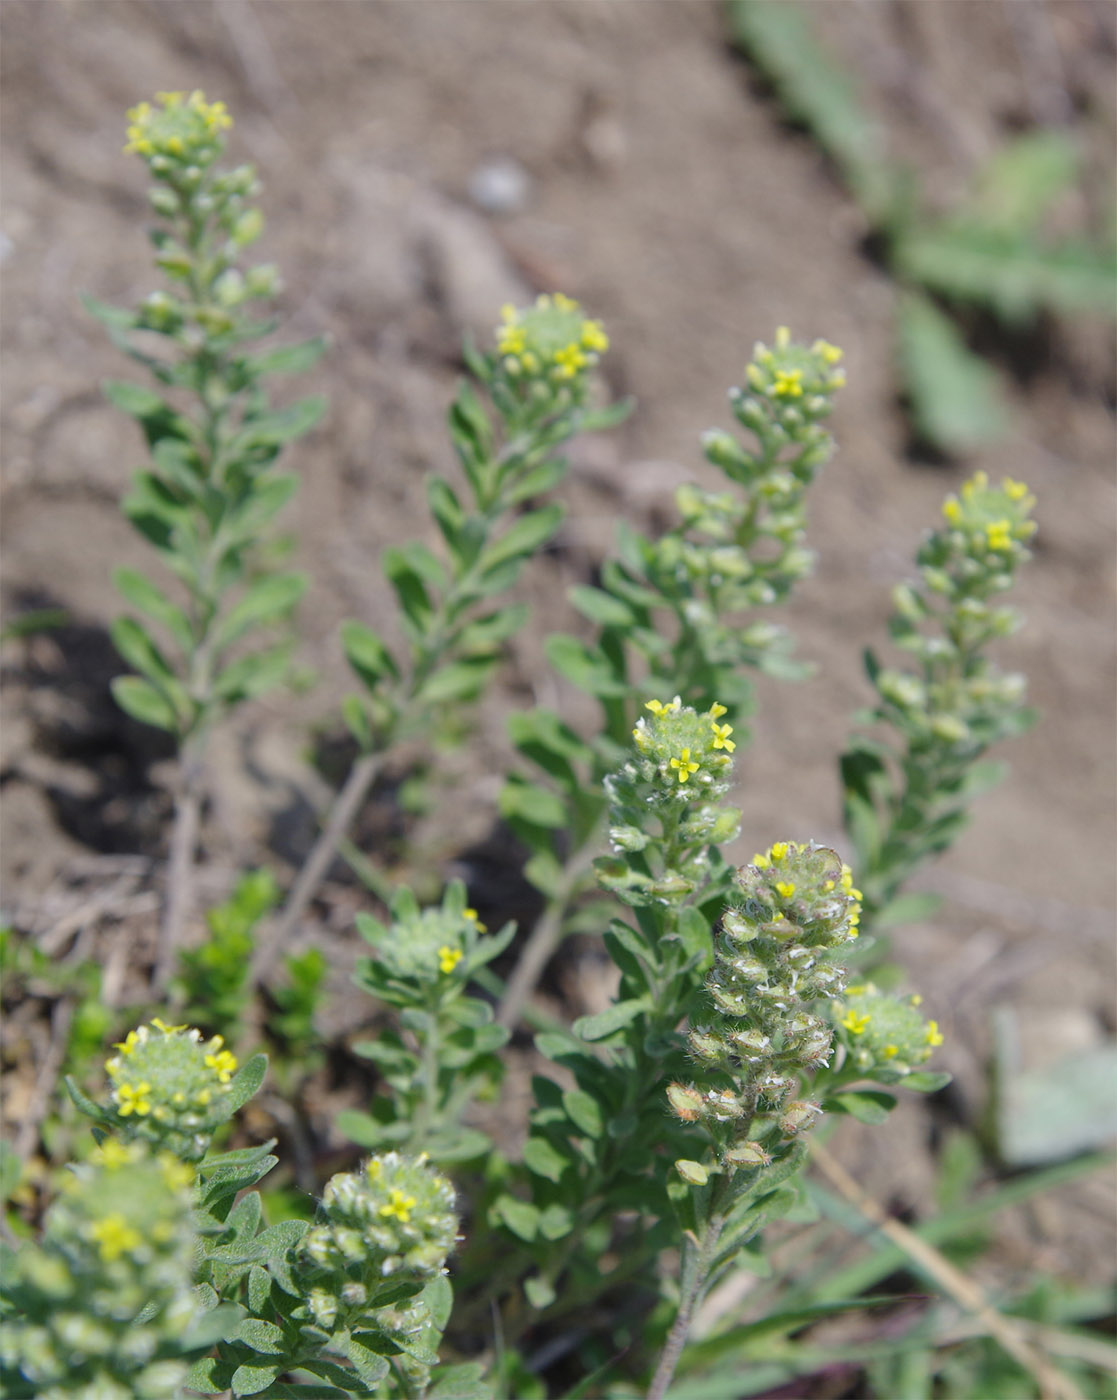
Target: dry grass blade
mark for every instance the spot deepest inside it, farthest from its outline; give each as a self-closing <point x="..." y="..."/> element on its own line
<point x="1015" y="1339"/>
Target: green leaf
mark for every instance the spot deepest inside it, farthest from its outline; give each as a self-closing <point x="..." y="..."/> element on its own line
<point x="907" y="909"/>
<point x="519" y="798"/>
<point x="583" y="667"/>
<point x="584" y="1112"/>
<point x="462" y="1382"/>
<point x="521" y="1217"/>
<point x="461" y="680"/>
<point x="152" y="601"/>
<point x="360" y="1128"/>
<point x="955" y="398"/>
<point x="11" y="1170"/>
<point x="611" y="1020"/>
<point x="261" y="1336"/>
<point x="249" y="676"/>
<point x="695" y="935"/>
<point x="556" y="1222"/>
<point x="266" y="601"/>
<point x="539" y="1292"/>
<point x="200" y="1377"/>
<point x="447" y="511"/>
<point x="866" y="1105"/>
<point x="273" y="429"/>
<point x="142" y="701"/>
<point x="484" y="634"/>
<point x="139" y="650"/>
<point x="410" y="585"/>
<point x="601" y="607"/>
<point x="524" y="537"/>
<point x="1023" y="179"/>
<point x="926" y="1081"/>
<point x="543" y="1159"/>
<point x="250" y="1380"/>
<point x="817" y="92"/>
<point x="288" y="359"/>
<point x="245" y="1083"/>
<point x="157" y="417"/>
<point x="1016" y="276"/>
<point x="367" y="654"/>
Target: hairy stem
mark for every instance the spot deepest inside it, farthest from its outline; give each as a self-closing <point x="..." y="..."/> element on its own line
<point x="696" y="1260"/>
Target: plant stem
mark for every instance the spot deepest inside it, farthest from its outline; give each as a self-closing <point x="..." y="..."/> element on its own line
<point x="696" y="1259"/>
<point x="344" y="811"/>
<point x="180" y="867"/>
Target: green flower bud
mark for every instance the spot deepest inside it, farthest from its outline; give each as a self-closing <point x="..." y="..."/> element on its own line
<point x="182" y="131"/>
<point x="393" y="1219"/>
<point x="102" y="1303"/>
<point x="884" y="1033"/>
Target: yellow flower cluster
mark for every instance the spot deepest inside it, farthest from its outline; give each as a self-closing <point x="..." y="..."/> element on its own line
<point x="996" y="517"/>
<point x="787" y="372"/>
<point x="183" y="127"/>
<point x="158" y="1075"/>
<point x="551" y="338"/>
<point x="684" y="763"/>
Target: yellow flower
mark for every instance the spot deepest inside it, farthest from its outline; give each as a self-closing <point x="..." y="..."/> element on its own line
<point x="952" y="509"/>
<point x="570" y="359"/>
<point x="716" y="711"/>
<point x="1014" y="490"/>
<point x="594" y="337"/>
<point x="113" y="1154"/>
<point x="684" y="765"/>
<point x="721" y="737"/>
<point x="761" y="862"/>
<point x="131" y="1100"/>
<point x="176" y="1174"/>
<point x="783" y="337"/>
<point x="222" y="1062"/>
<point x="448" y="958"/>
<point x="934" y="1035"/>
<point x="830" y="353"/>
<point x="778" y="851"/>
<point x="398" y="1205"/>
<point x="658" y="708"/>
<point x="560" y="301"/>
<point x="998" y="534"/>
<point x="891" y="1051"/>
<point x="856" y="1021"/>
<point x="512" y="340"/>
<point x="471" y="915"/>
<point x="785" y="888"/>
<point x="115" y="1236"/>
<point x="129" y="1043"/>
<point x="788" y="383"/>
<point x="161" y="1025"/>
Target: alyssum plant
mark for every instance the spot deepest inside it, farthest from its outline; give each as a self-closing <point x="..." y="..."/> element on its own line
<point x="677" y="1119"/>
<point x="210" y="492"/>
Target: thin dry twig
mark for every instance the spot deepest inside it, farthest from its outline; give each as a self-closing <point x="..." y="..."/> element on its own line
<point x="543" y="940"/>
<point x="1014" y="1339"/>
<point x="47" y="1078"/>
<point x="349" y="800"/>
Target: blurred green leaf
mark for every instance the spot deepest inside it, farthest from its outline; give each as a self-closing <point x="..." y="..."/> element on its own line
<point x="954" y="395"/>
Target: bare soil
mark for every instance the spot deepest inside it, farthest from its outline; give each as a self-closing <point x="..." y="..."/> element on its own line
<point x="665" y="192"/>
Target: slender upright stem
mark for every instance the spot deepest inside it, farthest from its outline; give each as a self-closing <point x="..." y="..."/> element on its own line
<point x="179" y="900"/>
<point x="695" y="1268"/>
<point x="696" y="1262"/>
<point x="341" y="818"/>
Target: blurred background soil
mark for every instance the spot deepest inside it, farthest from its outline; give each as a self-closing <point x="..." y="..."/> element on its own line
<point x="424" y="163"/>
